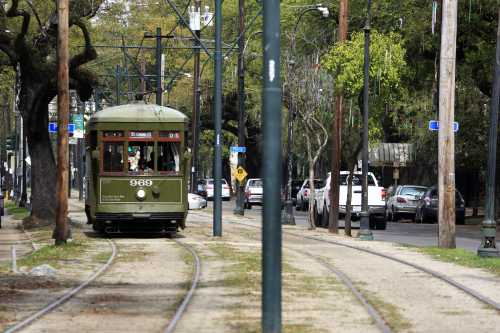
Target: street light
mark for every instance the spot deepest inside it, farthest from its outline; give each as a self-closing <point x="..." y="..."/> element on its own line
<point x="365" y="232"/>
<point x="288" y="217"/>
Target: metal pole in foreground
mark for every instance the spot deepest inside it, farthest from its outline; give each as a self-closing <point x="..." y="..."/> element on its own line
<point x="240" y="192"/>
<point x="446" y="137"/>
<point x="217" y="223"/>
<point x="488" y="247"/>
<point x="271" y="128"/>
<point x="196" y="100"/>
<point x="365" y="232"/>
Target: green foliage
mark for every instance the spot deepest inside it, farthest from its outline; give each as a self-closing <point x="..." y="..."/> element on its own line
<point x="387" y="65"/>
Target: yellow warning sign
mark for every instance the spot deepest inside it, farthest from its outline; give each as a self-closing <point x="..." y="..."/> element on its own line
<point x="240" y="174"/>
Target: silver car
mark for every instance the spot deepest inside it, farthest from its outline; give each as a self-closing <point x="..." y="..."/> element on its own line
<point x="403" y="201"/>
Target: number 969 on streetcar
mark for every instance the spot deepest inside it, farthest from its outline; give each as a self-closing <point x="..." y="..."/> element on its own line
<point x="136" y="169"/>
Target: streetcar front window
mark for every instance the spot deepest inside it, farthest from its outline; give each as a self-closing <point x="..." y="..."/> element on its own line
<point x="168" y="157"/>
<point x="113" y="157"/>
<point x="141" y="157"/>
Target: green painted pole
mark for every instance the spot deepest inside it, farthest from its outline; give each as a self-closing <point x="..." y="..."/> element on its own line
<point x="272" y="171"/>
<point x="365" y="232"/>
<point x="217" y="223"/>
<point x="118" y="84"/>
<point x="488" y="247"/>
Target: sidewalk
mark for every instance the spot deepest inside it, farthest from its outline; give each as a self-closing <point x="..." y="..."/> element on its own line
<point x="10" y="235"/>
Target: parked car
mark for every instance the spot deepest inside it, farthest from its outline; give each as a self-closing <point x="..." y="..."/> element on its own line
<point x="296" y="185"/>
<point x="304" y="192"/>
<point x="376" y="200"/>
<point x="403" y="201"/>
<point x="196" y="201"/>
<point x="427" y="207"/>
<point x="208" y="187"/>
<point x="253" y="192"/>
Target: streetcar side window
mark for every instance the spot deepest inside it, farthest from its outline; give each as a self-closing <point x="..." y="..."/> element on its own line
<point x="141" y="157"/>
<point x="168" y="157"/>
<point x="113" y="157"/>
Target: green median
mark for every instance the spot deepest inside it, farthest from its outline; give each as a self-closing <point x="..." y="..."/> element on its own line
<point x="464" y="258"/>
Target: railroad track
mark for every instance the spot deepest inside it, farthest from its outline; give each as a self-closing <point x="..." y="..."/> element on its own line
<point x="66" y="296"/>
<point x="190" y="293"/>
<point x="478" y="296"/>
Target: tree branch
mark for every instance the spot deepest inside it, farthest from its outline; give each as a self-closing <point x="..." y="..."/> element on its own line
<point x="13" y="12"/>
<point x="33" y="9"/>
<point x="8" y="50"/>
<point x="88" y="53"/>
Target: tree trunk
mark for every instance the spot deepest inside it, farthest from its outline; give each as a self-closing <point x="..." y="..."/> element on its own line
<point x="43" y="166"/>
<point x="312" y="195"/>
<point x="347" y="222"/>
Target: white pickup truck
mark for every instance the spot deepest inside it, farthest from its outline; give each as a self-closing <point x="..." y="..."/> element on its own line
<point x="376" y="200"/>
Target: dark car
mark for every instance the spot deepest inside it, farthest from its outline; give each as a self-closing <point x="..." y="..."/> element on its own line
<point x="427" y="207"/>
<point x="296" y="184"/>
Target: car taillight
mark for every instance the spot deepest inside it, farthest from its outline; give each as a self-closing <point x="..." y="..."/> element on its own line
<point x="427" y="201"/>
<point x="401" y="200"/>
<point x="210" y="187"/>
<point x="383" y="193"/>
<point x="306" y="193"/>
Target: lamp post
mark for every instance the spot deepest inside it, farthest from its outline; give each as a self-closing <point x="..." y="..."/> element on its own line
<point x="288" y="217"/>
<point x="488" y="246"/>
<point x="365" y="232"/>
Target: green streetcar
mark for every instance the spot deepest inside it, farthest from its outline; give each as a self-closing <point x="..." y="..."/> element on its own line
<point x="137" y="169"/>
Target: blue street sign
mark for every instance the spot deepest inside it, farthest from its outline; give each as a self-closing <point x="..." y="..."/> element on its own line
<point x="434" y="125"/>
<point x="238" y="149"/>
<point x="53" y="128"/>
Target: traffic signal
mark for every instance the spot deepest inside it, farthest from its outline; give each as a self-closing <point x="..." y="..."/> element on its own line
<point x="10" y="142"/>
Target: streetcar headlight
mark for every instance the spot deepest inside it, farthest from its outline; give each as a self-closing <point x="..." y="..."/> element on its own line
<point x="141" y="194"/>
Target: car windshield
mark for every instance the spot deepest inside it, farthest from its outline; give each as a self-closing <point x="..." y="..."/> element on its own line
<point x="317" y="183"/>
<point x="412" y="191"/>
<point x="256" y="183"/>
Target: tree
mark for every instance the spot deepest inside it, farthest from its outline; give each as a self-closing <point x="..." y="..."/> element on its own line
<point x="30" y="48"/>
<point x="310" y="103"/>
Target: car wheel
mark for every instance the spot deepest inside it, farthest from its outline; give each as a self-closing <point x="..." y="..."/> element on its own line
<point x="298" y="204"/>
<point x="305" y="206"/>
<point x="460" y="219"/>
<point x="324" y="217"/>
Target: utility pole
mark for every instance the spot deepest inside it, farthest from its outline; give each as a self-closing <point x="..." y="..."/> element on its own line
<point x="365" y="232"/>
<point x="240" y="190"/>
<point x="61" y="231"/>
<point x="488" y="247"/>
<point x="196" y="27"/>
<point x="217" y="222"/>
<point x="118" y="83"/>
<point x="159" y="91"/>
<point x="272" y="170"/>
<point x="446" y="144"/>
<point x="333" y="223"/>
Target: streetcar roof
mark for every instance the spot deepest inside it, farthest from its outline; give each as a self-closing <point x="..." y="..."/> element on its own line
<point x="138" y="112"/>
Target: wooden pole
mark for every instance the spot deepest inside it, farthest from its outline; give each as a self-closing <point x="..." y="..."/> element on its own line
<point x="61" y="231"/>
<point x="446" y="151"/>
<point x="337" y="134"/>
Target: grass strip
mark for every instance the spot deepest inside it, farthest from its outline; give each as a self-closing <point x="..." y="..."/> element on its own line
<point x="18" y="213"/>
<point x="53" y="255"/>
<point x="463" y="258"/>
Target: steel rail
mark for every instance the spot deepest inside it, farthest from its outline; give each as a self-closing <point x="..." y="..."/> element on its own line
<point x="372" y="312"/>
<point x="59" y="301"/>
<point x="482" y="298"/>
<point x="189" y="295"/>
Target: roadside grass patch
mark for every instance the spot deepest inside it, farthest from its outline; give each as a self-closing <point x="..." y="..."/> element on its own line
<point x="389" y="312"/>
<point x="53" y="255"/>
<point x="18" y="213"/>
<point x="244" y="273"/>
<point x="464" y="258"/>
<point x="101" y="257"/>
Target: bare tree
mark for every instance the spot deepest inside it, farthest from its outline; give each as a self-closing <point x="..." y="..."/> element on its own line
<point x="310" y="92"/>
